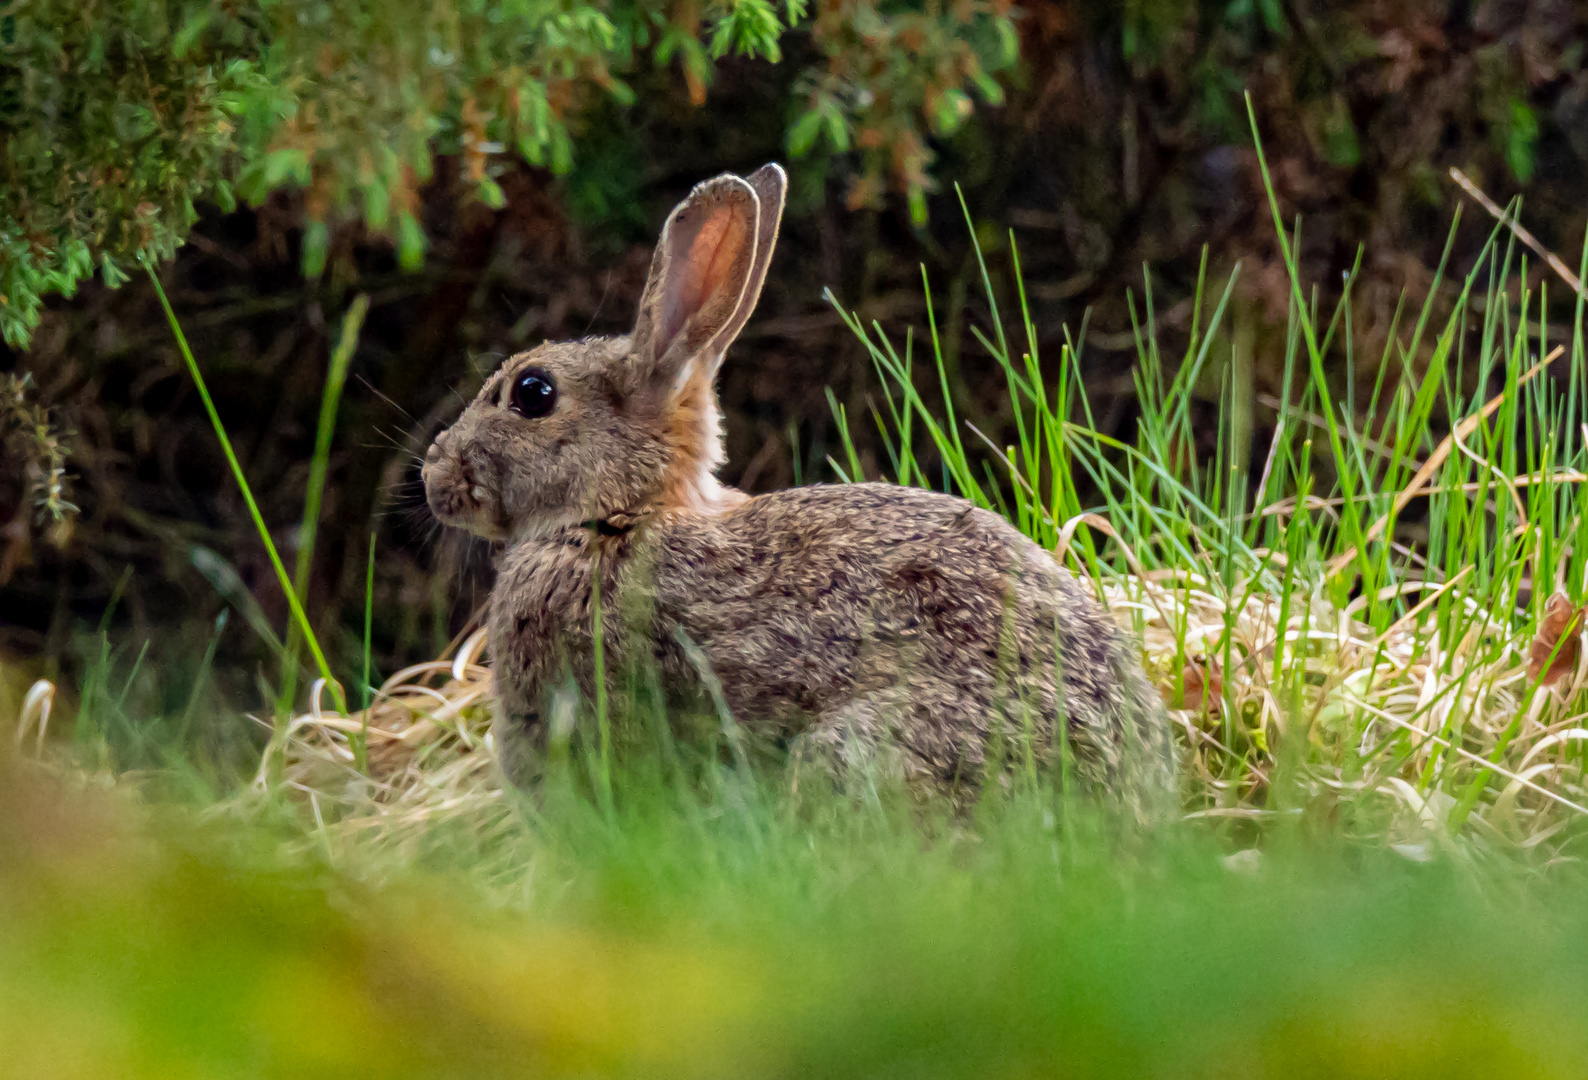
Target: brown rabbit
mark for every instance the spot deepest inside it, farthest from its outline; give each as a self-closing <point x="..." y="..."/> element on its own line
<point x="844" y="619"/>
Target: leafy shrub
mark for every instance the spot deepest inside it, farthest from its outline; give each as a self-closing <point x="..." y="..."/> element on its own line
<point x="118" y="118"/>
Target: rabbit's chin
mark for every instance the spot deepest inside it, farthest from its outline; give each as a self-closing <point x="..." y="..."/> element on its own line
<point x="479" y="523"/>
<point x="475" y="511"/>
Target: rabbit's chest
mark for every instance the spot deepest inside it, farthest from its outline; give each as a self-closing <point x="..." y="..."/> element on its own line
<point x="543" y="613"/>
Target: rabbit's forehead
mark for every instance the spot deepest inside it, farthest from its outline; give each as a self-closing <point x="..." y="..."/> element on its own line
<point x="564" y="361"/>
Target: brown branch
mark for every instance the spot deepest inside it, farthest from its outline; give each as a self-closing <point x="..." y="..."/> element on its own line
<point x="1516" y="227"/>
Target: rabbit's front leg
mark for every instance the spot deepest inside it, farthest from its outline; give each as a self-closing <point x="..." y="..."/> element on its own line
<point x="540" y="599"/>
<point x="515" y="747"/>
<point x="520" y="711"/>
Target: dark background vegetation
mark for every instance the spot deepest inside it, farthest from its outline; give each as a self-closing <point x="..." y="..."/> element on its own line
<point x="1122" y="141"/>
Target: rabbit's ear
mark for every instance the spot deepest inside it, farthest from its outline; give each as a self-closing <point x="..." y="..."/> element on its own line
<point x="771" y="185"/>
<point x="698" y="275"/>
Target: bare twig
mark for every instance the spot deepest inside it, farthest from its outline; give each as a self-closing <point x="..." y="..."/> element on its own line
<point x="1516" y="227"/>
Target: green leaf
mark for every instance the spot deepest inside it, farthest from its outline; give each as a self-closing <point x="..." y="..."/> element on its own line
<point x="113" y="274"/>
<point x="79" y="259"/>
<point x="252" y="184"/>
<point x="491" y="193"/>
<point x="561" y="151"/>
<point x="190" y="31"/>
<point x="532" y="149"/>
<point x="224" y="196"/>
<point x="1521" y="138"/>
<point x="411" y="242"/>
<point x="837" y="130"/>
<point x="992" y="93"/>
<point x="621" y="92"/>
<point x="14" y="327"/>
<point x="1273" y="17"/>
<point x="949" y="111"/>
<point x="290" y="163"/>
<point x="672" y="39"/>
<point x="1008" y="41"/>
<point x="316" y="245"/>
<point x="377" y="204"/>
<point x="802" y="135"/>
<point x="751" y="28"/>
<point x="1341" y="147"/>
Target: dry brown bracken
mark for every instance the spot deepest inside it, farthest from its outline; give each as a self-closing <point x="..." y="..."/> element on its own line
<point x="858" y="621"/>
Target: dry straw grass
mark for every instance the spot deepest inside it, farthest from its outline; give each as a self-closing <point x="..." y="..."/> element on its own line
<point x="428" y="744"/>
<point x="1400" y="718"/>
<point x="1423" y="716"/>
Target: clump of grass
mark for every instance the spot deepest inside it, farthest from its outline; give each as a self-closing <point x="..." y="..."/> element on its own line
<point x="1285" y="617"/>
<point x="704" y="931"/>
<point x="426" y="750"/>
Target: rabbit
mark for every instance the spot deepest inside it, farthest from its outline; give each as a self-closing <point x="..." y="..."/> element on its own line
<point x="840" y="620"/>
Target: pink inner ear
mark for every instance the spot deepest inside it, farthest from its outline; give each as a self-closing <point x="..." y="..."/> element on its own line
<point x="707" y="268"/>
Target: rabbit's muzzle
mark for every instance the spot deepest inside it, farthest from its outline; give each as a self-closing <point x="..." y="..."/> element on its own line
<point x="456" y="493"/>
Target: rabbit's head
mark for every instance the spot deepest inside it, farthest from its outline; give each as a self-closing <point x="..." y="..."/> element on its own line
<point x="609" y="429"/>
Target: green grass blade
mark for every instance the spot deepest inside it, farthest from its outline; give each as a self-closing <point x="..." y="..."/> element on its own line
<point x="330" y="400"/>
<point x="298" y="614"/>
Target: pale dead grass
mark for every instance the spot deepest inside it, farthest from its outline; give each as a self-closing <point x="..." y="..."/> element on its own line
<point x="429" y="753"/>
<point x="1402" y="715"/>
<point x="1402" y="718"/>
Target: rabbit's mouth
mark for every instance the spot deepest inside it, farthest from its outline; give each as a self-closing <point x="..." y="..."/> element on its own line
<point x="457" y="497"/>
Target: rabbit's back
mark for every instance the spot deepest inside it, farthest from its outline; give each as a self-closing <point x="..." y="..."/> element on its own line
<point x="953" y="630"/>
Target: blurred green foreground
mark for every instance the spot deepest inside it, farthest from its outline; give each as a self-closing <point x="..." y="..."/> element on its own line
<point x="670" y="934"/>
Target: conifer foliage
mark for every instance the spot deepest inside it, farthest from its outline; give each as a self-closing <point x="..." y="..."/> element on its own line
<point x="118" y="116"/>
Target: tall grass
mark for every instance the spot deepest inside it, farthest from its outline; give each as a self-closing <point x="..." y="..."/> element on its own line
<point x="300" y="618"/>
<point x="702" y="929"/>
<point x="1379" y="610"/>
<point x="1366" y="593"/>
<point x="314" y="491"/>
<point x="299" y="631"/>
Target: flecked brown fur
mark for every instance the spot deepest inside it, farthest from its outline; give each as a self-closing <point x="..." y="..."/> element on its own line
<point x="843" y="619"/>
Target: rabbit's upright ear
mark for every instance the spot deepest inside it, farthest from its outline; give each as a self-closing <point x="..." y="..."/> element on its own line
<point x="771" y="185"/>
<point x="699" y="273"/>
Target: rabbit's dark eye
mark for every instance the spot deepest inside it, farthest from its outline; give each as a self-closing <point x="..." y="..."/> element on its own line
<point x="534" y="393"/>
